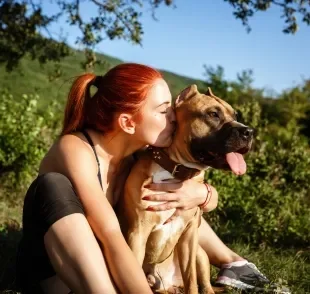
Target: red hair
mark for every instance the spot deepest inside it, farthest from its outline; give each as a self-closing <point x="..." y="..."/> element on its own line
<point x="122" y="89"/>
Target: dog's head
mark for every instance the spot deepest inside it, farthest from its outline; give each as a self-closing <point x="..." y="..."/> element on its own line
<point x="208" y="130"/>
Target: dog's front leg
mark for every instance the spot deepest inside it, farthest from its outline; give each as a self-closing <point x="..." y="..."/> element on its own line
<point x="203" y="272"/>
<point x="137" y="239"/>
<point x="187" y="251"/>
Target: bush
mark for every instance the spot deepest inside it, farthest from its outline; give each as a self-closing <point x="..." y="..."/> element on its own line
<point x="25" y="135"/>
<point x="270" y="203"/>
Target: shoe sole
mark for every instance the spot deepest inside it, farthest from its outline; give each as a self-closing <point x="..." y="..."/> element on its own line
<point x="224" y="281"/>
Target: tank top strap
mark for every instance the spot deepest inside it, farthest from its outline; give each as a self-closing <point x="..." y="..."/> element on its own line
<point x="88" y="138"/>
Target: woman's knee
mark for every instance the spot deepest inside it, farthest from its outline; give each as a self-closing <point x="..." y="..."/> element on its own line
<point x="77" y="257"/>
<point x="53" y="180"/>
<point x="54" y="186"/>
<point x="55" y="198"/>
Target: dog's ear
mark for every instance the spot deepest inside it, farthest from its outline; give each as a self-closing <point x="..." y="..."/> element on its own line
<point x="187" y="93"/>
<point x="209" y="92"/>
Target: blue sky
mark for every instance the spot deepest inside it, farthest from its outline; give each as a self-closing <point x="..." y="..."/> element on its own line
<point x="201" y="32"/>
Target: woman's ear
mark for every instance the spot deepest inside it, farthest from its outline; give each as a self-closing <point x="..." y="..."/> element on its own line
<point x="127" y="123"/>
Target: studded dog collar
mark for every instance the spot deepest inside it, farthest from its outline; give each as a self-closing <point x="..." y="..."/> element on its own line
<point x="176" y="169"/>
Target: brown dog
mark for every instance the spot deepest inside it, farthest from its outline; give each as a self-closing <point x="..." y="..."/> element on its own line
<point x="207" y="135"/>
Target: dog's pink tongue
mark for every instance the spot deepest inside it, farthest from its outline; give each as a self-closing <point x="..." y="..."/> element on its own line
<point x="236" y="163"/>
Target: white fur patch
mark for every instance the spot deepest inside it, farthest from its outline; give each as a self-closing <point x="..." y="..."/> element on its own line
<point x="174" y="226"/>
<point x="169" y="230"/>
<point x="161" y="175"/>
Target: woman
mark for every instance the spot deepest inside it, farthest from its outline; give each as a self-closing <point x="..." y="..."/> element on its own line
<point x="71" y="236"/>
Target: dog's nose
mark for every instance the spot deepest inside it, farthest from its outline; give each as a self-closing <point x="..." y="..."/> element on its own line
<point x="246" y="132"/>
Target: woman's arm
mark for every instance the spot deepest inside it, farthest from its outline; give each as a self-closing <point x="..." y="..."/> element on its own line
<point x="212" y="203"/>
<point x="182" y="195"/>
<point x="79" y="165"/>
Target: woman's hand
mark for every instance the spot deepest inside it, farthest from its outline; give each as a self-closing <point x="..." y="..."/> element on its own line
<point x="180" y="195"/>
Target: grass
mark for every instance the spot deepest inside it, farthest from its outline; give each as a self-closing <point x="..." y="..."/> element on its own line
<point x="284" y="266"/>
<point x="289" y="267"/>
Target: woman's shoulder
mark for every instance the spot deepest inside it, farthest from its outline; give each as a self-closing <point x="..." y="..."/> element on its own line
<point x="75" y="147"/>
<point x="68" y="152"/>
<point x="73" y="140"/>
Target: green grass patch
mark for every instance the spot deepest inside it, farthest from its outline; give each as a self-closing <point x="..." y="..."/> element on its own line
<point x="290" y="267"/>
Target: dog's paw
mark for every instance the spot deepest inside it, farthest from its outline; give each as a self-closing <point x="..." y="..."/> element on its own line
<point x="212" y="290"/>
<point x="175" y="290"/>
<point x="151" y="280"/>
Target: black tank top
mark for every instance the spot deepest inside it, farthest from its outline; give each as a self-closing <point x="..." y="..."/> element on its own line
<point x="93" y="147"/>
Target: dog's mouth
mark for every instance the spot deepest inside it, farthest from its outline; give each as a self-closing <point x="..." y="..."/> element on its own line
<point x="233" y="161"/>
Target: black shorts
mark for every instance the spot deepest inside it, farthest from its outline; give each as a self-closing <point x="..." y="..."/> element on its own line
<point x="49" y="198"/>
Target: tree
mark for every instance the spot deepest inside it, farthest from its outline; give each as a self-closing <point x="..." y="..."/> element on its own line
<point x="22" y="23"/>
<point x="244" y="9"/>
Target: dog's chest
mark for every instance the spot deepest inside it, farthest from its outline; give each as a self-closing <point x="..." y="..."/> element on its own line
<point x="164" y="237"/>
<point x="161" y="176"/>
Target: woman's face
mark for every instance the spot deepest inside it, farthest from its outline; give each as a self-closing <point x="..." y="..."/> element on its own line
<point x="158" y="118"/>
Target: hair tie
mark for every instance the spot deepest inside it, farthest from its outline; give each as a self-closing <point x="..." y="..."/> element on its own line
<point x="97" y="81"/>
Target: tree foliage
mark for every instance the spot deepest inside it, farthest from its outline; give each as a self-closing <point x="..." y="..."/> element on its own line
<point x="291" y="10"/>
<point x="270" y="203"/>
<point x="25" y="24"/>
<point x="22" y="24"/>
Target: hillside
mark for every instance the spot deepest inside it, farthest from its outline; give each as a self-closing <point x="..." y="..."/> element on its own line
<point x="30" y="77"/>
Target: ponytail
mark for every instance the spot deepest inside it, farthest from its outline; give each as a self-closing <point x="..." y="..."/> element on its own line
<point x="123" y="88"/>
<point x="74" y="118"/>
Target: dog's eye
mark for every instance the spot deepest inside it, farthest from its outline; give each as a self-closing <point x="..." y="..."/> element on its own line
<point x="213" y="114"/>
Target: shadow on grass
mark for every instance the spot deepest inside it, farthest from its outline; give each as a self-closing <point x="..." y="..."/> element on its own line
<point x="10" y="235"/>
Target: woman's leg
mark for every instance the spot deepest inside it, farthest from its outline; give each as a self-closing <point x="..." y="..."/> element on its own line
<point x="70" y="244"/>
<point x="217" y="251"/>
<point x="76" y="257"/>
<point x="235" y="271"/>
